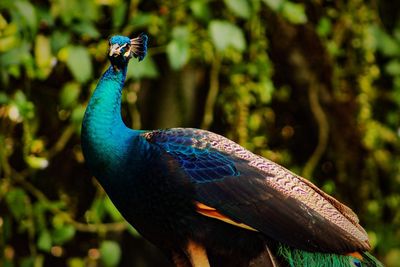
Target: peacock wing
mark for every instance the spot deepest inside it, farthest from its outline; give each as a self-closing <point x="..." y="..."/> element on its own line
<point x="249" y="190"/>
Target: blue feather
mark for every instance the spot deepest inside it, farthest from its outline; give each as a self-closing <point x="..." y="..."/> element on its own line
<point x="202" y="164"/>
<point x="120" y="40"/>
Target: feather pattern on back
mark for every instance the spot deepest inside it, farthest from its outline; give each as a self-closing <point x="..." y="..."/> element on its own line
<point x="209" y="158"/>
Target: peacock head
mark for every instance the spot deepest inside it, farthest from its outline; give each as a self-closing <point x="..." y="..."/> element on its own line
<point x="122" y="49"/>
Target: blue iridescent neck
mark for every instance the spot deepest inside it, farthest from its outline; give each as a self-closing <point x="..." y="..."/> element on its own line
<point x="104" y="108"/>
<point x="104" y="135"/>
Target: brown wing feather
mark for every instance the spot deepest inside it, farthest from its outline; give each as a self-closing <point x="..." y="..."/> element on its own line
<point x="346" y="211"/>
<point x="261" y="194"/>
<point x="290" y="184"/>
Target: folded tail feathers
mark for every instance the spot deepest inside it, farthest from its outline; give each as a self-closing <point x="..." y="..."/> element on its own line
<point x="370" y="261"/>
<point x="300" y="258"/>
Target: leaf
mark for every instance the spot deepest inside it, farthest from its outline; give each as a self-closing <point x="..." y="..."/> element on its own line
<point x="27" y="11"/>
<point x="255" y="121"/>
<point x="9" y="38"/>
<point x="178" y="50"/>
<point x="63" y="234"/>
<point x="225" y="34"/>
<point x="7" y="43"/>
<point x="393" y="67"/>
<point x="16" y="56"/>
<point x="118" y="14"/>
<point x="96" y="212"/>
<point x="39" y="209"/>
<point x="200" y="9"/>
<point x="37" y="162"/>
<point x="142" y="19"/>
<point x="275" y="5"/>
<point x="110" y="252"/>
<point x="241" y="8"/>
<point x="72" y="11"/>
<point x="86" y="28"/>
<point x="324" y="27"/>
<point x="76" y="262"/>
<point x="16" y="199"/>
<point x="42" y="51"/>
<point x="112" y="210"/>
<point x="132" y="230"/>
<point x="4" y="99"/>
<point x="27" y="262"/>
<point x="60" y="39"/>
<point x="143" y="69"/>
<point x="25" y="107"/>
<point x="178" y="54"/>
<point x="386" y="44"/>
<point x="43" y="56"/>
<point x="45" y="17"/>
<point x="77" y="115"/>
<point x="3" y="22"/>
<point x="266" y="89"/>
<point x="112" y="3"/>
<point x="79" y="63"/>
<point x="294" y="12"/>
<point x="69" y="94"/>
<point x="329" y="187"/>
<point x="44" y="241"/>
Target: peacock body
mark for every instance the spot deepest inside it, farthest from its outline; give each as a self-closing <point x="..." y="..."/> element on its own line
<point x="205" y="200"/>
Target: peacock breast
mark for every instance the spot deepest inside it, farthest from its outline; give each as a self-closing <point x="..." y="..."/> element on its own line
<point x="153" y="194"/>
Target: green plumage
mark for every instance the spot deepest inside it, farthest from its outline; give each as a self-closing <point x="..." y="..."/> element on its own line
<point x="301" y="258"/>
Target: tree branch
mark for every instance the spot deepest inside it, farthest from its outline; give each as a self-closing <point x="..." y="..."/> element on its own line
<point x="323" y="128"/>
<point x="212" y="93"/>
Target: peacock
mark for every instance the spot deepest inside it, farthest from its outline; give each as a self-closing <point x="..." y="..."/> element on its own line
<point x="204" y="200"/>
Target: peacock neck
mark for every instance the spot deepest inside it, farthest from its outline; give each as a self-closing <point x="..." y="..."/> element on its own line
<point x="104" y="109"/>
<point x="104" y="135"/>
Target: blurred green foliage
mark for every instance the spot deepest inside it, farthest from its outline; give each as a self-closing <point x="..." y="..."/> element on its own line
<point x="312" y="85"/>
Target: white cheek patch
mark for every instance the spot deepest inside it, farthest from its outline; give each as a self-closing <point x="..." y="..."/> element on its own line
<point x="115" y="50"/>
